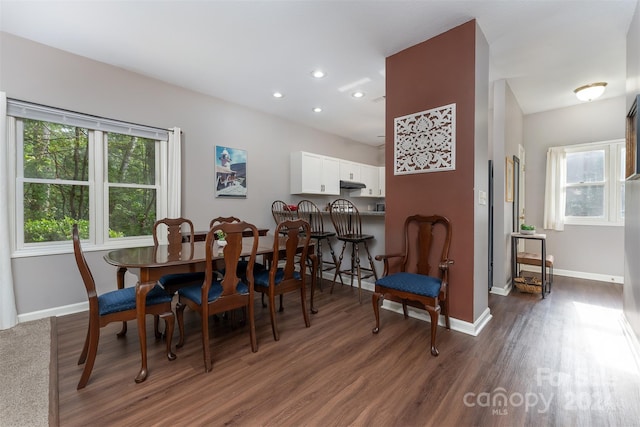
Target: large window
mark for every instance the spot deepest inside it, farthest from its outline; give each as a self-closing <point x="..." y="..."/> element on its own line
<point x="105" y="175"/>
<point x="594" y="184"/>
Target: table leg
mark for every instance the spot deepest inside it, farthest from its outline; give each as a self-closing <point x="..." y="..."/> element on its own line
<point x="142" y="289"/>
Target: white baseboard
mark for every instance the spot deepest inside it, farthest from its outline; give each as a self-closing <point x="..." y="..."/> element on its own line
<point x="54" y="312"/>
<point x="501" y="291"/>
<point x="578" y="274"/>
<point x="456" y="324"/>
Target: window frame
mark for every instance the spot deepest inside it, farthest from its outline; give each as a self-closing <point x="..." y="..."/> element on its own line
<point x="98" y="180"/>
<point x="614" y="169"/>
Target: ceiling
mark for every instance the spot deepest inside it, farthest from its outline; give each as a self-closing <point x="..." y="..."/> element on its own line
<point x="243" y="51"/>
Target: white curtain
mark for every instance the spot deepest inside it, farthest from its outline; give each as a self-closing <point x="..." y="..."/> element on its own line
<point x="8" y="311"/>
<point x="554" y="195"/>
<point x="174" y="174"/>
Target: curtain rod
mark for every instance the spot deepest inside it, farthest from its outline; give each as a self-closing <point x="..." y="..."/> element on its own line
<point x="93" y="116"/>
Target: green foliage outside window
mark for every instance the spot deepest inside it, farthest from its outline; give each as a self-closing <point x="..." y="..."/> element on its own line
<point x="56" y="189"/>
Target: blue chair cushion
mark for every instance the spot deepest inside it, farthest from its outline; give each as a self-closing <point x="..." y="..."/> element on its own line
<point x="241" y="270"/>
<point x="194" y="292"/>
<point x="125" y="299"/>
<point x="261" y="278"/>
<point x="418" y="284"/>
<point x="180" y="279"/>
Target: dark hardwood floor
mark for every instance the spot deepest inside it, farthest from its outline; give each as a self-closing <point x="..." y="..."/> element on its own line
<point x="561" y="361"/>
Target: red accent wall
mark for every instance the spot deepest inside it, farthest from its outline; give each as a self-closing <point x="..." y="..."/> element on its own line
<point x="432" y="74"/>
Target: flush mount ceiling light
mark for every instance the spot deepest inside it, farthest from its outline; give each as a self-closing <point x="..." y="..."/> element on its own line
<point x="590" y="92"/>
<point x="318" y="74"/>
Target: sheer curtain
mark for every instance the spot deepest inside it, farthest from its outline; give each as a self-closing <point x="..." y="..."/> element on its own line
<point x="554" y="195"/>
<point x="174" y="177"/>
<point x="8" y="311"/>
<point x="171" y="162"/>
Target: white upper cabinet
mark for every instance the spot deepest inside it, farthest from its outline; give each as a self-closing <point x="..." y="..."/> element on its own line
<point x="314" y="174"/>
<point x="381" y="182"/>
<point x="369" y="176"/>
<point x="349" y="171"/>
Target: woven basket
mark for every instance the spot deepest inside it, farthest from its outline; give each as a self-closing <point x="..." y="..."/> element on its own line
<point x="531" y="285"/>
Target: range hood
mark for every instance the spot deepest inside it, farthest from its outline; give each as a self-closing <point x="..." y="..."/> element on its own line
<point x="351" y="185"/>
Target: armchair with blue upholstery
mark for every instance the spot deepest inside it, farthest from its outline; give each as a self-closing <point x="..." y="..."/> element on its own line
<point x="412" y="281"/>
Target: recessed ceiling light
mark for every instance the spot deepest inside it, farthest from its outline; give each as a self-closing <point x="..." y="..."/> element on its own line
<point x="278" y="95"/>
<point x="357" y="94"/>
<point x="318" y="74"/>
<point x="317" y="109"/>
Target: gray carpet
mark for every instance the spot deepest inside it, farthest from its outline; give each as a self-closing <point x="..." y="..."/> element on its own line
<point x="25" y="355"/>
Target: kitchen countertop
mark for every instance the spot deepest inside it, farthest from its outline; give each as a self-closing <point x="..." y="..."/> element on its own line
<point x="364" y="213"/>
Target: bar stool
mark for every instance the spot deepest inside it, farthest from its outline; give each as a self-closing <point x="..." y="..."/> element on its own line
<point x="308" y="211"/>
<point x="281" y="212"/>
<point x="346" y="220"/>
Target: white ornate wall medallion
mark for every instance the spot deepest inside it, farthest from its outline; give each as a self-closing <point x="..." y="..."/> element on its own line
<point x="425" y="141"/>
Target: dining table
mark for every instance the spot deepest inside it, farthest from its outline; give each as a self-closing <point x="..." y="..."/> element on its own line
<point x="150" y="263"/>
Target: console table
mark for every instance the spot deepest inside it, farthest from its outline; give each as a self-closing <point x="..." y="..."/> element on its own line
<point x="545" y="286"/>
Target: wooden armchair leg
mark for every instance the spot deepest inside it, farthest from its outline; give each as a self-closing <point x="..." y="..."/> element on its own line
<point x="169" y="320"/>
<point x="434" y="328"/>
<point x="85" y="348"/>
<point x="180" y="315"/>
<point x="93" y="338"/>
<point x="375" y="300"/>
<point x="156" y="327"/>
<point x="272" y="314"/>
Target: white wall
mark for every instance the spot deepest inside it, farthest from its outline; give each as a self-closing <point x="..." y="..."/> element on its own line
<point x="507" y="136"/>
<point x="631" y="290"/>
<point x="598" y="250"/>
<point x="481" y="148"/>
<point x="39" y="74"/>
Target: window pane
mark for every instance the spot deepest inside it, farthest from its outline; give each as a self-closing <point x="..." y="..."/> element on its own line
<point x="51" y="209"/>
<point x="586" y="166"/>
<point x="585" y="201"/>
<point x="132" y="211"/>
<point x="132" y="160"/>
<point x="55" y="151"/>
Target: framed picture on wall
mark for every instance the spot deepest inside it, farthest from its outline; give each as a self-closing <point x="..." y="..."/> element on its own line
<point x="632" y="159"/>
<point x="508" y="180"/>
<point x="231" y="172"/>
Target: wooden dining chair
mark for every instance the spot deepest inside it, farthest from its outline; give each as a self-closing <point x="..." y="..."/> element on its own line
<point x="115" y="306"/>
<point x="174" y="229"/>
<point x="216" y="220"/>
<point x="413" y="281"/>
<point x="288" y="271"/>
<point x="214" y="296"/>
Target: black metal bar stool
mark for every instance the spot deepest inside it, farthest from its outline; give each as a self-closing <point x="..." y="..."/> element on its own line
<point x="308" y="211"/>
<point x="346" y="220"/>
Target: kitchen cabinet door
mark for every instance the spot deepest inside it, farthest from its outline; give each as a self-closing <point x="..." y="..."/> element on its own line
<point x="381" y="181"/>
<point x="369" y="177"/>
<point x="314" y="174"/>
<point x="349" y="171"/>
